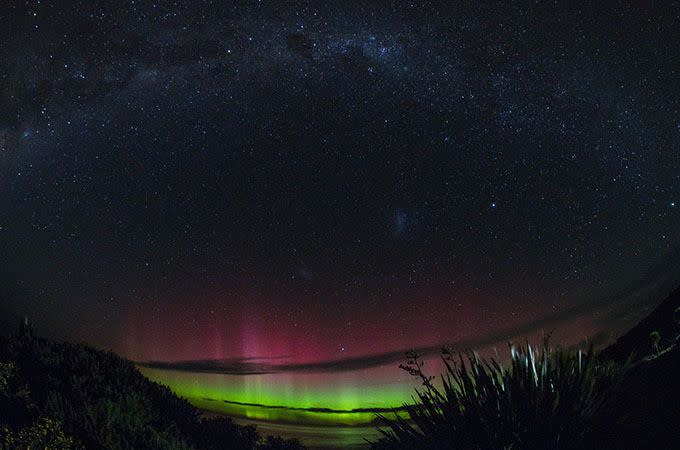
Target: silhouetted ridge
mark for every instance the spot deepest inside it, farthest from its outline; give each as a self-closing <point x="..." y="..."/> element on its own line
<point x="61" y="395"/>
<point x="639" y="340"/>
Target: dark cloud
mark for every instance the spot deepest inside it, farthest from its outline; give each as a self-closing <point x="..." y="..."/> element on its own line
<point x="311" y="409"/>
<point x="651" y="287"/>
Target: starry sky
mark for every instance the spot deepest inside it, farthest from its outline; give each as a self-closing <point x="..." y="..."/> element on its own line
<point x="322" y="180"/>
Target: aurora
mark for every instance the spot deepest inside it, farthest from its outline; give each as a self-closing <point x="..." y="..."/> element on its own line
<point x="337" y="399"/>
<point x="265" y="207"/>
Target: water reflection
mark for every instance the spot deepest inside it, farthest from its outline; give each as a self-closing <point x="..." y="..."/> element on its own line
<point x="319" y="437"/>
<point x="323" y="410"/>
<point x="329" y="409"/>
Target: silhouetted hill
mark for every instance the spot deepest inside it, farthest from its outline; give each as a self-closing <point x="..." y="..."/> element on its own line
<point x="64" y="396"/>
<point x="61" y="395"/>
<point x="645" y="406"/>
<point x="638" y="341"/>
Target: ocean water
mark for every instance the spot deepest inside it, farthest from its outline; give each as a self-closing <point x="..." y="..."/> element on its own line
<point x="322" y="410"/>
<point x="319" y="437"/>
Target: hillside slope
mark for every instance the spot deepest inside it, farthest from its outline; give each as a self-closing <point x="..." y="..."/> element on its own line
<point x="645" y="406"/>
<point x="61" y="395"/>
<point x="664" y="320"/>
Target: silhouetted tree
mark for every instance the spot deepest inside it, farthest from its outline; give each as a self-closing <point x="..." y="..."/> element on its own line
<point x="62" y="395"/>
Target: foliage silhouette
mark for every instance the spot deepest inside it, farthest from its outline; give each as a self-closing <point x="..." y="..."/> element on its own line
<point x="544" y="399"/>
<point x="624" y="397"/>
<point x="61" y="395"/>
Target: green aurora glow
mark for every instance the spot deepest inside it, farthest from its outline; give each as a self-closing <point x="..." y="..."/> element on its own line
<point x="338" y="399"/>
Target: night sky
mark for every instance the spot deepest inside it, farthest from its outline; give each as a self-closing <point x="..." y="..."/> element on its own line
<point x="193" y="180"/>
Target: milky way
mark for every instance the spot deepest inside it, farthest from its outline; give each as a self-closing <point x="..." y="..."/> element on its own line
<point x="319" y="182"/>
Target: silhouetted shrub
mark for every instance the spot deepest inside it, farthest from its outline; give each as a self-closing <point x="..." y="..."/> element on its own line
<point x="45" y="433"/>
<point x="217" y="431"/>
<point x="278" y="443"/>
<point x="655" y="339"/>
<point x="543" y="400"/>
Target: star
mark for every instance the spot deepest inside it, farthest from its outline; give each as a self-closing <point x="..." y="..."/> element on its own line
<point x="189" y="152"/>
